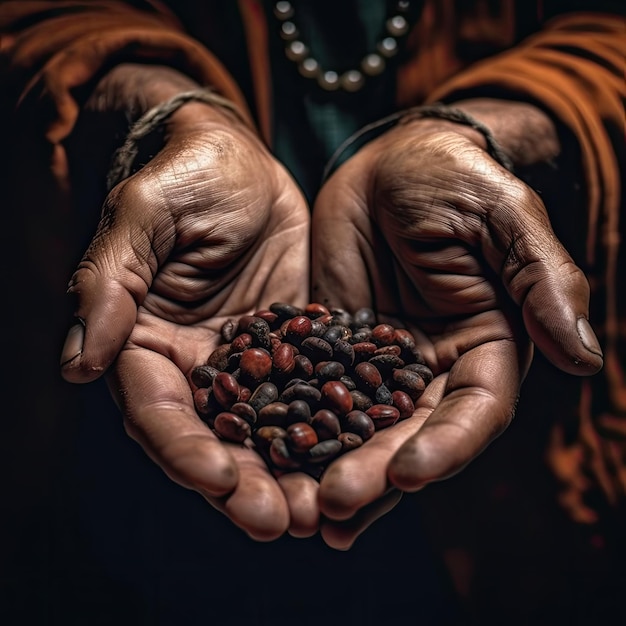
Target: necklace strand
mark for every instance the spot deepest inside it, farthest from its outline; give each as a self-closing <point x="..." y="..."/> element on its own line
<point x="372" y="64"/>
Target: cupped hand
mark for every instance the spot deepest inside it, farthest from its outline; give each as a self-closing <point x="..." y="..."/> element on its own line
<point x="211" y="228"/>
<point x="423" y="226"/>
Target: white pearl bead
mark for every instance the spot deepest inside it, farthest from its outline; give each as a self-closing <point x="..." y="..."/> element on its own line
<point x="309" y="68"/>
<point x="288" y="31"/>
<point x="397" y="26"/>
<point x="373" y="64"/>
<point x="352" y="80"/>
<point x="388" y="47"/>
<point x="283" y="10"/>
<point x="296" y="51"/>
<point x="329" y="80"/>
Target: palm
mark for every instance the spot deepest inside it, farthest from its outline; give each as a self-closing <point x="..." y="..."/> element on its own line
<point x="211" y="229"/>
<point x="435" y="235"/>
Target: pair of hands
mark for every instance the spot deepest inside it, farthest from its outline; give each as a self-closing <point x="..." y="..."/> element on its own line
<point x="421" y="225"/>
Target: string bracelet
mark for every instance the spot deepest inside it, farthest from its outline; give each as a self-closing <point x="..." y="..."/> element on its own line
<point x="125" y="155"/>
<point x="433" y="111"/>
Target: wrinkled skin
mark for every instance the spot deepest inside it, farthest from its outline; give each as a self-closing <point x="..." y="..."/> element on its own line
<point x="426" y="228"/>
<point x="212" y="228"/>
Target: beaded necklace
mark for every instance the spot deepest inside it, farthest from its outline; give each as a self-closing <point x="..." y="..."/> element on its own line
<point x="352" y="80"/>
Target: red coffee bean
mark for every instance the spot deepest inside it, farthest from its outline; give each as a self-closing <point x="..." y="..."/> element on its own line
<point x="335" y="396"/>
<point x="359" y="423"/>
<point x="255" y="365"/>
<point x="226" y="389"/>
<point x="232" y="427"/>
<point x="349" y="441"/>
<point x="402" y="401"/>
<point x="301" y="437"/>
<point x="383" y="415"/>
<point x="326" y="424"/>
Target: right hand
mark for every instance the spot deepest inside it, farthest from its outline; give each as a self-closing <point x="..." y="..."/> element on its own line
<point x="213" y="227"/>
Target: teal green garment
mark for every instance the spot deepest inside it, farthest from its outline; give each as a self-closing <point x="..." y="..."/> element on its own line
<point x="309" y="123"/>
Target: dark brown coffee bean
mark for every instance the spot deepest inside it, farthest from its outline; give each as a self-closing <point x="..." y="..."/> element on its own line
<point x="402" y="401"/>
<point x="262" y="396"/>
<point x="232" y="427"/>
<point x="301" y="437"/>
<point x="301" y="391"/>
<point x="219" y="357"/>
<point x="360" y="423"/>
<point x="203" y="375"/>
<point x="386" y="363"/>
<point x="229" y="330"/>
<point x="367" y="377"/>
<point x="329" y="370"/>
<point x="264" y="435"/>
<point x="317" y="328"/>
<point x="383" y="395"/>
<point x="363" y="335"/>
<point x="245" y="410"/>
<point x="336" y="397"/>
<point x="281" y="456"/>
<point x="225" y="389"/>
<point x="349" y="441"/>
<point x="364" y="317"/>
<point x="285" y="311"/>
<point x="258" y="328"/>
<point x="201" y="400"/>
<point x="360" y="400"/>
<point x="348" y="382"/>
<point x="324" y="451"/>
<point x="326" y="424"/>
<point x="298" y="411"/>
<point x="383" y="415"/>
<point x="404" y="340"/>
<point x="316" y="349"/>
<point x="332" y="334"/>
<point x="408" y="381"/>
<point x="273" y="414"/>
<point x="302" y="366"/>
<point x="363" y="351"/>
<point x="423" y="370"/>
<point x="343" y="352"/>
<point x="340" y="317"/>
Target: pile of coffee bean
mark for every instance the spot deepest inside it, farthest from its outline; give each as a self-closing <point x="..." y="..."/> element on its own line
<point x="305" y="385"/>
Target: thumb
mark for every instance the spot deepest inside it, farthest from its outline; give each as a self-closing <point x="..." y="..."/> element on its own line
<point x="542" y="278"/>
<point x="109" y="284"/>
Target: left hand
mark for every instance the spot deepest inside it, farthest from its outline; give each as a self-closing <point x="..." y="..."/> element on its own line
<point x="423" y="226"/>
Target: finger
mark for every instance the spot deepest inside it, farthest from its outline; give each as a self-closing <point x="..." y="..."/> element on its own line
<point x="541" y="277"/>
<point x="110" y="282"/>
<point x="301" y="492"/>
<point x="478" y="404"/>
<point x="342" y="535"/>
<point x="157" y="404"/>
<point x="257" y="504"/>
<point x="359" y="478"/>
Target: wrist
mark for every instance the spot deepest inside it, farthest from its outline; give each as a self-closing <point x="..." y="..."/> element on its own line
<point x="526" y="133"/>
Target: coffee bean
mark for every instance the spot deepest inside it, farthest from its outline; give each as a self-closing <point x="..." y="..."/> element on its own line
<point x="307" y="384"/>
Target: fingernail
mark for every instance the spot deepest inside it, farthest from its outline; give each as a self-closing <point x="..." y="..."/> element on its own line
<point x="73" y="345"/>
<point x="588" y="337"/>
